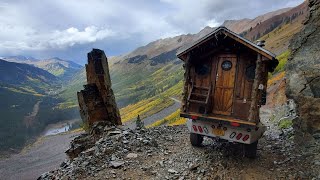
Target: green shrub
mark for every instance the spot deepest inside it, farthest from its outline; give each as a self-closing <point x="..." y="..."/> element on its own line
<point x="285" y="123"/>
<point x="283" y="58"/>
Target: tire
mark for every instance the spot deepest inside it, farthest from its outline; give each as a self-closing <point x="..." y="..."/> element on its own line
<point x="250" y="150"/>
<point x="196" y="139"/>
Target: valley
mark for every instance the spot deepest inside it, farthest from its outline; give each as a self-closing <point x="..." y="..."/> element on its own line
<point x="29" y="102"/>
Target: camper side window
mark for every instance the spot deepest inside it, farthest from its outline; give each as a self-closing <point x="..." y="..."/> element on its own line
<point x="250" y="72"/>
<point x="202" y="69"/>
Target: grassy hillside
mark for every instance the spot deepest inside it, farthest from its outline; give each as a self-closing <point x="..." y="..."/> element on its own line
<point x="25" y="76"/>
<point x="132" y="82"/>
<point x="262" y="28"/>
<point x="277" y="41"/>
<point x="139" y="88"/>
<point x="282" y="58"/>
<point x="241" y="25"/>
<point x="278" y="30"/>
<point x="139" y="82"/>
<point x="71" y="87"/>
<point x="152" y="105"/>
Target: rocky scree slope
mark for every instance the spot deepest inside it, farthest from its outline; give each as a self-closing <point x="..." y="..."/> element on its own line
<point x="113" y="152"/>
<point x="303" y="75"/>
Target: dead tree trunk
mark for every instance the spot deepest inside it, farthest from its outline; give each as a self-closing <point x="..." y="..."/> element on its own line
<point x="97" y="101"/>
<point x="254" y="109"/>
<point x="186" y="84"/>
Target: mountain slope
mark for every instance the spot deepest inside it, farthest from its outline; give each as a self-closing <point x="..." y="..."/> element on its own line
<point x="58" y="67"/>
<point x="24" y="75"/>
<point x="69" y="89"/>
<point x="61" y="68"/>
<point x="21" y="87"/>
<point x="21" y="59"/>
<point x="28" y="103"/>
<point x="291" y="20"/>
<point x="241" y="25"/>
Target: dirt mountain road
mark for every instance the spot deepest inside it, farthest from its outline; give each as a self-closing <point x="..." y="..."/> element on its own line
<point x="44" y="155"/>
<point x="29" y="120"/>
<point x="157" y="116"/>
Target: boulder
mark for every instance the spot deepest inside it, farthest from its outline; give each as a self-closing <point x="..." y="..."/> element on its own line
<point x="80" y="144"/>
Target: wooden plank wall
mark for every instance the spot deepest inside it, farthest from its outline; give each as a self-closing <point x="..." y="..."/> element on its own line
<point x="200" y="80"/>
<point x="243" y="85"/>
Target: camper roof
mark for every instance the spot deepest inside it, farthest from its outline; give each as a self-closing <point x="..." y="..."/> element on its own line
<point x="232" y="35"/>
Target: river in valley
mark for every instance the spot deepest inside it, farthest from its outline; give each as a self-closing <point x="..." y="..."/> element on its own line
<point x="61" y="127"/>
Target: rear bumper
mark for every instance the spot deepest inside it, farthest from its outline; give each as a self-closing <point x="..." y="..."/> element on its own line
<point x="220" y="120"/>
<point x="241" y="134"/>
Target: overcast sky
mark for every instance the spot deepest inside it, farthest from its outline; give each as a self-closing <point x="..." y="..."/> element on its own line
<point x="70" y="28"/>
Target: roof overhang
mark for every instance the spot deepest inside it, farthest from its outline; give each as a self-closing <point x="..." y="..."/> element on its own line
<point x="181" y="54"/>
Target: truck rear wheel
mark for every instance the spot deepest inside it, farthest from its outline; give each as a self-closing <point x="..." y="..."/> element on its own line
<point x="250" y="150"/>
<point x="196" y="139"/>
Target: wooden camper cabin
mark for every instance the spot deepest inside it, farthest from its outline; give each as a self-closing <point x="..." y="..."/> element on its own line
<point x="225" y="77"/>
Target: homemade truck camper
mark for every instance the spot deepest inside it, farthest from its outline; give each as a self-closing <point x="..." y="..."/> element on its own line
<point x="225" y="85"/>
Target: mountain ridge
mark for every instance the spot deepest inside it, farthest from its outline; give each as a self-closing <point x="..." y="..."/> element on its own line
<point x="238" y="26"/>
<point x="25" y="75"/>
<point x="63" y="69"/>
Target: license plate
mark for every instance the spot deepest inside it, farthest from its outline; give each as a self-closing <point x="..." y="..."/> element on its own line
<point x="218" y="132"/>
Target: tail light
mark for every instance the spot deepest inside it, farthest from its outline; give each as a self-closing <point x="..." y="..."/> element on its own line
<point x="200" y="129"/>
<point x="246" y="137"/>
<point x="194" y="117"/>
<point x="194" y="128"/>
<point x="239" y="136"/>
<point x="235" y="124"/>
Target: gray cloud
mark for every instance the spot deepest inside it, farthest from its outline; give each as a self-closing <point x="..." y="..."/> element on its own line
<point x="66" y="28"/>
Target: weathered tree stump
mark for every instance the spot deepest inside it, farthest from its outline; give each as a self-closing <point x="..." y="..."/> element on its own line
<point x="97" y="101"/>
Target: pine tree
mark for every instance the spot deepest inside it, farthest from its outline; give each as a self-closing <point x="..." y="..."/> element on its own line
<point x="139" y="123"/>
